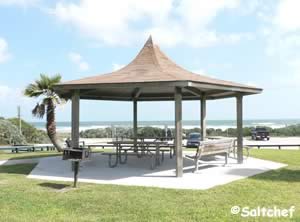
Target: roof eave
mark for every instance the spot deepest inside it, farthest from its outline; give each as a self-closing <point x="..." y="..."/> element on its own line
<point x="246" y="89"/>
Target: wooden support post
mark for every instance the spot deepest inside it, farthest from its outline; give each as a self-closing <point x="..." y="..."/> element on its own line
<point x="75" y="131"/>
<point x="135" y="123"/>
<point x="178" y="132"/>
<point x="76" y="169"/>
<point x="239" y="112"/>
<point x="75" y="119"/>
<point x="203" y="118"/>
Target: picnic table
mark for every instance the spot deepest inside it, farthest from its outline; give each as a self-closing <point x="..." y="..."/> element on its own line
<point x="139" y="148"/>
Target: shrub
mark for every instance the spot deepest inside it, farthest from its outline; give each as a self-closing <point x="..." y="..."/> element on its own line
<point x="32" y="134"/>
<point x="10" y="134"/>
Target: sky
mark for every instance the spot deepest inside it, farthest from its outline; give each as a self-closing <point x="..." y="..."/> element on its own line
<point x="255" y="42"/>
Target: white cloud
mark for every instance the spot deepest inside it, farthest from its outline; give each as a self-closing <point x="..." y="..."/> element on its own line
<point x="4" y="91"/>
<point x="117" y="66"/>
<point x="22" y="3"/>
<point x="84" y="66"/>
<point x="4" y="53"/>
<point x="287" y="15"/>
<point x="10" y="95"/>
<point x="77" y="59"/>
<point x="281" y="32"/>
<point x="170" y="22"/>
<point x="199" y="13"/>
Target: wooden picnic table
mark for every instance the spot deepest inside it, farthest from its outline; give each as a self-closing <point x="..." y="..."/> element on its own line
<point x="135" y="146"/>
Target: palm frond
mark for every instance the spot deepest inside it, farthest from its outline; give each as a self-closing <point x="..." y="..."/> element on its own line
<point x="43" y="82"/>
<point x="55" y="79"/>
<point x="57" y="100"/>
<point x="33" y="90"/>
<point x="44" y="87"/>
<point x="47" y="83"/>
<point x="47" y="100"/>
<point x="39" y="110"/>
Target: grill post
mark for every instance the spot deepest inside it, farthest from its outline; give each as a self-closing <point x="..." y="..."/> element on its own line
<point x="76" y="169"/>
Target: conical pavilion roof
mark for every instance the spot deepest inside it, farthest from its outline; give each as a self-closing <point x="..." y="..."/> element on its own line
<point x="151" y="65"/>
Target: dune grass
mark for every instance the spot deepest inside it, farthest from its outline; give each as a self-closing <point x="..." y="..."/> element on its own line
<point x="23" y="199"/>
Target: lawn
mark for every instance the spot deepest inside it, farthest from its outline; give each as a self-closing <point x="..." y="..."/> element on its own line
<point x="6" y="155"/>
<point x="24" y="199"/>
<point x="37" y="154"/>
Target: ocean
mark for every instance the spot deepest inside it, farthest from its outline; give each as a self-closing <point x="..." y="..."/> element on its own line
<point x="188" y="124"/>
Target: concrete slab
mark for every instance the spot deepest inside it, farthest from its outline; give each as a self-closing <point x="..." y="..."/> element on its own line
<point x="137" y="172"/>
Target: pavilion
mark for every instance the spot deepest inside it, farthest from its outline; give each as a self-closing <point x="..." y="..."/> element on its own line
<point x="152" y="76"/>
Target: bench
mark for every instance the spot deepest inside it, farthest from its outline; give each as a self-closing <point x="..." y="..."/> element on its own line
<point x="213" y="148"/>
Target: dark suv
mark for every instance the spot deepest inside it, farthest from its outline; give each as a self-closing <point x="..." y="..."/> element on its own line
<point x="193" y="140"/>
<point x="260" y="133"/>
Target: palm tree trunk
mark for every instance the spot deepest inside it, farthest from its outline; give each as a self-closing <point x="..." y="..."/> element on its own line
<point x="51" y="126"/>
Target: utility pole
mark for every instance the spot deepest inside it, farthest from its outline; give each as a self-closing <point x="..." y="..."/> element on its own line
<point x="20" y="120"/>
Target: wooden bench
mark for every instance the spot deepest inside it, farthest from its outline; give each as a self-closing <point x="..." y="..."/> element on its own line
<point x="212" y="148"/>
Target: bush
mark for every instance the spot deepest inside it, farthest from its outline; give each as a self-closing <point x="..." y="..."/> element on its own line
<point x="125" y="132"/>
<point x="32" y="134"/>
<point x="10" y="134"/>
<point x="155" y="132"/>
<point x="96" y="133"/>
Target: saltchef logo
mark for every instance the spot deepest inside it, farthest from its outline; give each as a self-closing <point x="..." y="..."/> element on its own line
<point x="263" y="212"/>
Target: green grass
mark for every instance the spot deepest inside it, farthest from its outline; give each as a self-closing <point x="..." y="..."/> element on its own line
<point x="36" y="154"/>
<point x="26" y="155"/>
<point x="24" y="199"/>
<point x="291" y="157"/>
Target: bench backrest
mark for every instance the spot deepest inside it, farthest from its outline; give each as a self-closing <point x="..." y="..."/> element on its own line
<point x="216" y="146"/>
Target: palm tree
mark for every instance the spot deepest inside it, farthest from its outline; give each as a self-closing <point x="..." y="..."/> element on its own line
<point x="44" y="89"/>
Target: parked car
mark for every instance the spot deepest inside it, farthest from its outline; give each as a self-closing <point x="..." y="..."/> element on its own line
<point x="193" y="140"/>
<point x="260" y="133"/>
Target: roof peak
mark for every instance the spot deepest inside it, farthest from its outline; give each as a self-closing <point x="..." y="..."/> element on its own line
<point x="149" y="42"/>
